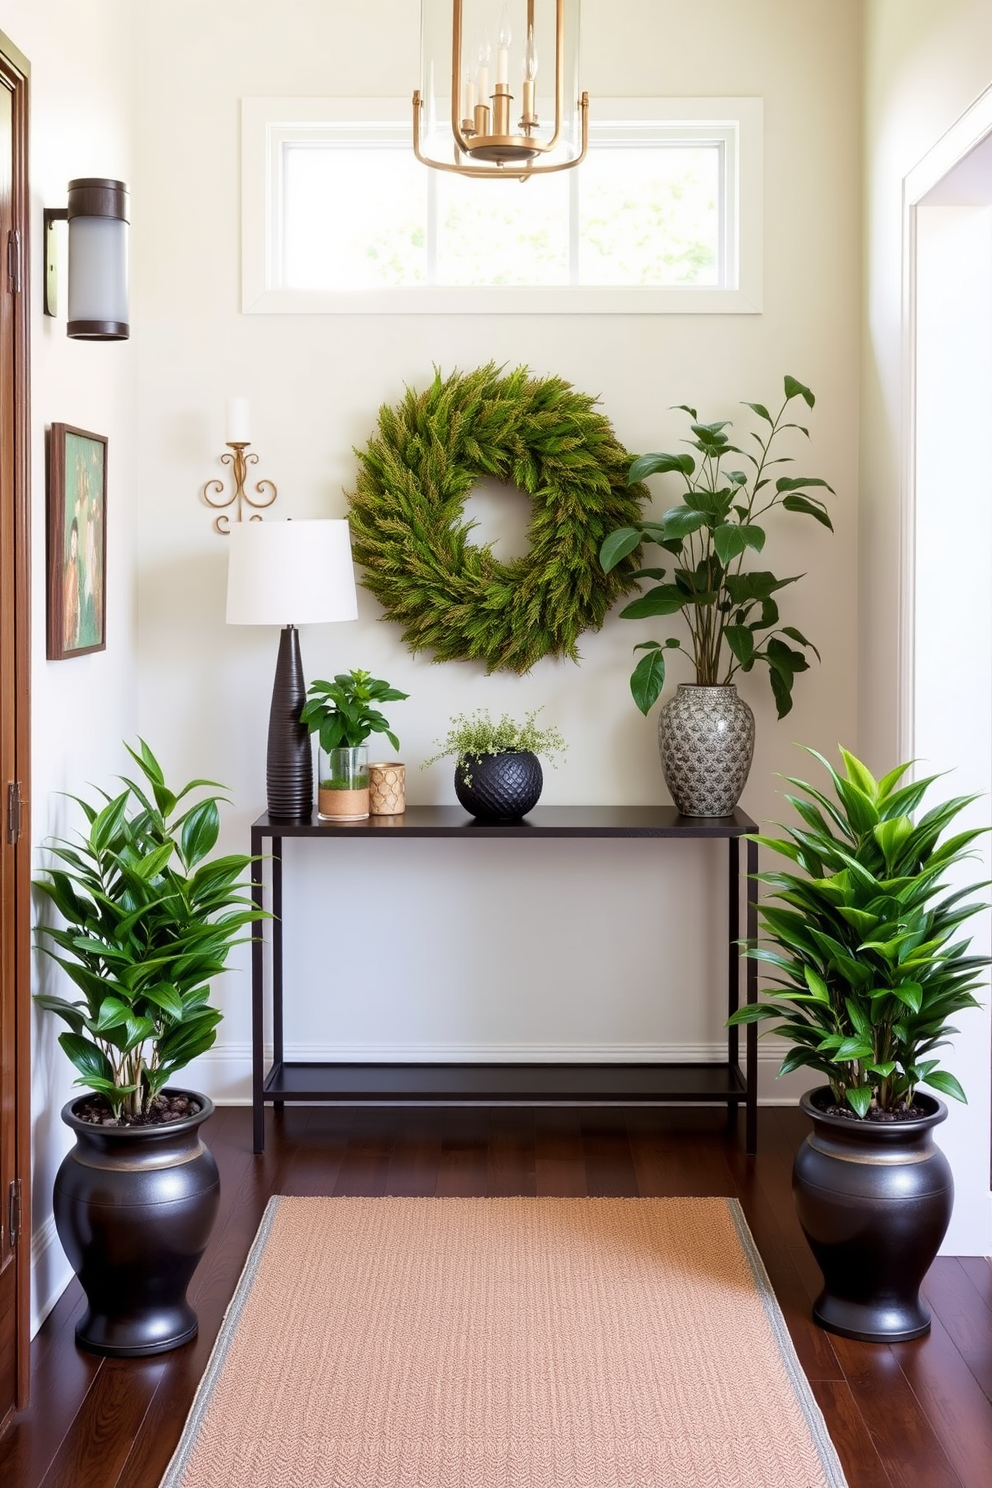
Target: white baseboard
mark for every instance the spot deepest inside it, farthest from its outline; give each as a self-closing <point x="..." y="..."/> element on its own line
<point x="50" y="1272"/>
<point x="224" y="1073"/>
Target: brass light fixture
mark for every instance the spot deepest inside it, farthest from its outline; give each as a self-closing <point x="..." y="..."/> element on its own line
<point x="466" y="119"/>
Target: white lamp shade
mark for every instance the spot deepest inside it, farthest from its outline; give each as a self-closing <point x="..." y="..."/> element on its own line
<point x="290" y="573"/>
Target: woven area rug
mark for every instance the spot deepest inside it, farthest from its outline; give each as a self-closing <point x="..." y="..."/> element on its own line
<point x="504" y="1343"/>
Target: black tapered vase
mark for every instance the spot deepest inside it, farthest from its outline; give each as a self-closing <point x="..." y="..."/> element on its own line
<point x="134" y="1207"/>
<point x="874" y="1200"/>
<point x="499" y="787"/>
<point x="289" y="756"/>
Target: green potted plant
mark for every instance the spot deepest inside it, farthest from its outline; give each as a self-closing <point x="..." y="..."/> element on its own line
<point x="706" y="732"/>
<point x="498" y="775"/>
<point x="343" y="715"/>
<point x="861" y="938"/>
<point x="149" y="920"/>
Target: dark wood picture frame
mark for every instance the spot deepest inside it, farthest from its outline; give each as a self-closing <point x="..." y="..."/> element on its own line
<point x="77" y="542"/>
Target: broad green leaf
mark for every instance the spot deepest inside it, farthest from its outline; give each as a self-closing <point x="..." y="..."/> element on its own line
<point x="680" y="521"/>
<point x="648" y="679"/>
<point x="664" y="599"/>
<point x="946" y="1084"/>
<point x="659" y="464"/>
<point x="615" y="547"/>
<point x="806" y="506"/>
<point x="90" y="1061"/>
<point x="859" y="1100"/>
<point x="795" y="389"/>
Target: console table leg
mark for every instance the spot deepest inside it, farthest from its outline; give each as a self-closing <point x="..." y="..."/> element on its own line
<point x="257" y="999"/>
<point x="751" y="993"/>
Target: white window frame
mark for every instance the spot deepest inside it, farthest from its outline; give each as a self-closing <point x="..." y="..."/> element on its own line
<point x="269" y="123"/>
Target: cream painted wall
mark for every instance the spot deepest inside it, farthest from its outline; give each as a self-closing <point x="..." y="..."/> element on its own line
<point x="609" y="949"/>
<point x="81" y="71"/>
<point x="926" y="61"/>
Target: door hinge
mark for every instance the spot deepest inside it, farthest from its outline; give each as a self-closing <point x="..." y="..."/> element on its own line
<point x="14" y="1211"/>
<point x="13" y="811"/>
<point x="14" y="261"/>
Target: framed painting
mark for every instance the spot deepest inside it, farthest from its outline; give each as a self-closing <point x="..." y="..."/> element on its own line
<point x="77" y="542"/>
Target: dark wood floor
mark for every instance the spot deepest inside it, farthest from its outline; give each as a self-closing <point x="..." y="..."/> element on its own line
<point x="914" y="1415"/>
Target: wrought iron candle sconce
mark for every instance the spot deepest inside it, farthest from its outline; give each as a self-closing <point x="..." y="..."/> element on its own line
<point x="239" y="458"/>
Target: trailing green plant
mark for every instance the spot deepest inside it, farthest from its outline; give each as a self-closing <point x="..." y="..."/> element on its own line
<point x="411" y="534"/>
<point x="342" y="714"/>
<point x="471" y="735"/>
<point x="148" y="923"/>
<point x="863" y="937"/>
<point x="732" y="613"/>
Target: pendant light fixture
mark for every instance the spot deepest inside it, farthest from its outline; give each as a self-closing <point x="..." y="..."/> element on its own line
<point x="480" y="110"/>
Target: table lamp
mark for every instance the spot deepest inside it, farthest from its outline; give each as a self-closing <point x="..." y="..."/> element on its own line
<point x="290" y="574"/>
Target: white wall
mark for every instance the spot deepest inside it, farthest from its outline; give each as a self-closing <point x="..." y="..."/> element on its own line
<point x="925" y="63"/>
<point x="620" y="948"/>
<point x="81" y="68"/>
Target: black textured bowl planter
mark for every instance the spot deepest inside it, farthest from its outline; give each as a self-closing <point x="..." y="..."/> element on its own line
<point x="134" y="1207"/>
<point x="499" y="787"/>
<point x="874" y="1200"/>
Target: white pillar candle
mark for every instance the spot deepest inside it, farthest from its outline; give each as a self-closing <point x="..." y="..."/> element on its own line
<point x="238" y="422"/>
<point x="468" y="106"/>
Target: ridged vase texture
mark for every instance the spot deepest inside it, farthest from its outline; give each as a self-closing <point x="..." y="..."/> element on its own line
<point x="706" y="738"/>
<point x="874" y="1200"/>
<point x="499" y="787"/>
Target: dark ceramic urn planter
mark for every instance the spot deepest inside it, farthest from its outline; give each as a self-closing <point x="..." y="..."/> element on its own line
<point x="134" y="1207"/>
<point x="874" y="1200"/>
<point x="499" y="787"/>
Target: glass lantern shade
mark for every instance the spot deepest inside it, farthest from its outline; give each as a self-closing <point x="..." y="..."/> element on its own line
<point x="499" y="90"/>
<point x="98" y="260"/>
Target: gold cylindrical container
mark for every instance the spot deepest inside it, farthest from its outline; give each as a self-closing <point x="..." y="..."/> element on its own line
<point x="387" y="788"/>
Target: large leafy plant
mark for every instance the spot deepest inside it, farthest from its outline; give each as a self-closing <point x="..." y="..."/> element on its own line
<point x="343" y="714"/>
<point x="863" y="937"/>
<point x="148" y="923"/>
<point x="731" y="612"/>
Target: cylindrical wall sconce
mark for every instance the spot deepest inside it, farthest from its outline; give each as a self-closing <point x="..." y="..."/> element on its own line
<point x="97" y="215"/>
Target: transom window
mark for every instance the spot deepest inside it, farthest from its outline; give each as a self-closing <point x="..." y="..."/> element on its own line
<point x="660" y="216"/>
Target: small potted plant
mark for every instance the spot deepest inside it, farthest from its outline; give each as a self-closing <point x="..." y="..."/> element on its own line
<point x="149" y="919"/>
<point x="498" y="775"/>
<point x="706" y="733"/>
<point x="867" y="969"/>
<point x="343" y="716"/>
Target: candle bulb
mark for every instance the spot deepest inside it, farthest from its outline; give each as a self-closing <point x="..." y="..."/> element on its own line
<point x="503" y="39"/>
<point x="482" y="76"/>
<point x="238" y="423"/>
<point x="530" y="57"/>
<point x="468" y="97"/>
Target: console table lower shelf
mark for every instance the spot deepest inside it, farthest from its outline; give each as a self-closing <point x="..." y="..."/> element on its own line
<point x="504" y="1084"/>
<point x="720" y="1082"/>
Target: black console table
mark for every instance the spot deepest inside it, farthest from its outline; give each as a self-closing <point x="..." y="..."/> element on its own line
<point x="494" y="1084"/>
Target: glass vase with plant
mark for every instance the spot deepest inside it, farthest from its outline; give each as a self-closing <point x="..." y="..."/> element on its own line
<point x="731" y="610"/>
<point x="343" y="715"/>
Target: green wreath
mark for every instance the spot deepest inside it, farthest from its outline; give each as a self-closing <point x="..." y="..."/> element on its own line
<point x="413" y="539"/>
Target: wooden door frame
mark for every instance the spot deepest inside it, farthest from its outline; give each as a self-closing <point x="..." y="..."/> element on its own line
<point x="16" y="70"/>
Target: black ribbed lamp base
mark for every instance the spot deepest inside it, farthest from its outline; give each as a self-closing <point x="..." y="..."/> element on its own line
<point x="289" y="762"/>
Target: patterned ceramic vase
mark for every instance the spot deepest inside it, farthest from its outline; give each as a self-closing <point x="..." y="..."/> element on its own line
<point x="706" y="737"/>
